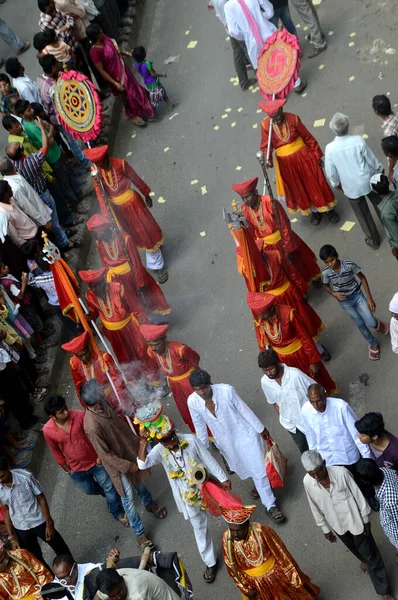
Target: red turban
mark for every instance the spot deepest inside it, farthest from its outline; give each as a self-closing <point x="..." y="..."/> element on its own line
<point x="246" y="186"/>
<point x="98" y="223"/>
<point x="259" y="302"/>
<point x="77" y="344"/>
<point x="272" y="107"/>
<point x="238" y="516"/>
<point x="151" y="333"/>
<point x="93" y="277"/>
<point x="96" y="154"/>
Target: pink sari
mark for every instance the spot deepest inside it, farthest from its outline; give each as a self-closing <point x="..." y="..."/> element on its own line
<point x="135" y="98"/>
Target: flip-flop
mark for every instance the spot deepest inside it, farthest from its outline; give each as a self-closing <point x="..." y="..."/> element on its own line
<point x="148" y="544"/>
<point x="21" y="464"/>
<point x="254" y="494"/>
<point x="123" y="519"/>
<point x="28" y="445"/>
<point x="210" y="574"/>
<point x="374" y="354"/>
<point x="275" y="514"/>
<point x="158" y="511"/>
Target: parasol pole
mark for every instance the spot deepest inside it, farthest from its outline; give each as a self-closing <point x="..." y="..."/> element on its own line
<point x="120" y="402"/>
<point x="267" y="183"/>
<point x="271" y="122"/>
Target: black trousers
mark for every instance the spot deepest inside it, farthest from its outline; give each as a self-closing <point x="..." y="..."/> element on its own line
<point x="241" y="59"/>
<point x="364" y="548"/>
<point x="300" y="440"/>
<point x="28" y="539"/>
<point x="364" y="216"/>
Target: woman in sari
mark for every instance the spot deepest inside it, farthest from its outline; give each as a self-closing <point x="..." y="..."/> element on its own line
<point x="107" y="58"/>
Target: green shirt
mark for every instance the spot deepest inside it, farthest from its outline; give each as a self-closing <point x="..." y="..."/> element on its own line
<point x="389" y="217"/>
<point x="34" y="134"/>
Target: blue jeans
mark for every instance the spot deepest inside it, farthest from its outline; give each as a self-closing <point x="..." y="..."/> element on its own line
<point x="96" y="482"/>
<point x="60" y="236"/>
<point x="75" y="148"/>
<point x="357" y="309"/>
<point x="283" y="13"/>
<point x="129" y="506"/>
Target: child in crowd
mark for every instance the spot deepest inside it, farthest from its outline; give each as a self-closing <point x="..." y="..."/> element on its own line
<point x="6" y="89"/>
<point x="58" y="48"/>
<point x="39" y="43"/>
<point x="157" y="93"/>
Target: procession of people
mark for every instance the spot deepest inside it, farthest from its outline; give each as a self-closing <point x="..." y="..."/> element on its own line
<point x="120" y="346"/>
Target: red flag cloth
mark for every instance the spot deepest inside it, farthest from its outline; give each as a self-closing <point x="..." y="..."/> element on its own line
<point x="216" y="498"/>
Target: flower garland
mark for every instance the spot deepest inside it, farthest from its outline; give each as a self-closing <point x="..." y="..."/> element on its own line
<point x="190" y="496"/>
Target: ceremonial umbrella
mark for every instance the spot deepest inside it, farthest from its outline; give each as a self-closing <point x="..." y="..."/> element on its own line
<point x="278" y="65"/>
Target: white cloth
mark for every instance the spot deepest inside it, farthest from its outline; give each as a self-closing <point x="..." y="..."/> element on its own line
<point x="393" y="306"/>
<point x="219" y="10"/>
<point x="236" y="430"/>
<point x="342" y="507"/>
<point x="4" y="218"/>
<point x="203" y="539"/>
<point x="27" y="89"/>
<point x="154" y="260"/>
<point x="195" y="451"/>
<point x="265" y="492"/>
<point x="238" y="26"/>
<point x="143" y="585"/>
<point x="350" y="162"/>
<point x="290" y="396"/>
<point x="77" y="589"/>
<point x="394" y="334"/>
<point x="333" y="434"/>
<point x="28" y="199"/>
<point x="5" y="358"/>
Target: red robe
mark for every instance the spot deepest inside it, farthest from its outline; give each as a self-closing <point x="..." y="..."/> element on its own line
<point x="97" y="369"/>
<point x="299" y="178"/>
<point x="262" y="225"/>
<point x="129" y="208"/>
<point x="288" y="330"/>
<point x="123" y="333"/>
<point x="177" y="364"/>
<point x="113" y="257"/>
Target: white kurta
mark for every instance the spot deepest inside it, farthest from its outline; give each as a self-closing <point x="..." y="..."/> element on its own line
<point x="238" y="26"/>
<point x="195" y="451"/>
<point x="235" y="429"/>
<point x="394" y="334"/>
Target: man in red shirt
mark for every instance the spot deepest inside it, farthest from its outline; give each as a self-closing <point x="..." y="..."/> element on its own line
<point x="71" y="448"/>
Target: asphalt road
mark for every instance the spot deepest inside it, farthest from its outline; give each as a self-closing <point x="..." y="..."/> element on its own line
<point x="178" y="157"/>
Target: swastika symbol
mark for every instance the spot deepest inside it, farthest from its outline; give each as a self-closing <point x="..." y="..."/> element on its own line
<point x="276" y="63"/>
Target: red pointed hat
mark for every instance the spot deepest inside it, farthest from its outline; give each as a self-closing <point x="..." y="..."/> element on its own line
<point x="151" y="333"/>
<point x="246" y="186"/>
<point x="272" y="107"/>
<point x="98" y="223"/>
<point x="77" y="344"/>
<point x="259" y="302"/>
<point x="96" y="154"/>
<point x="93" y="277"/>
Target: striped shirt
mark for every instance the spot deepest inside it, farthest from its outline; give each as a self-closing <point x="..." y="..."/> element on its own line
<point x="45" y="281"/>
<point x="31" y="168"/>
<point x="345" y="282"/>
<point x="62" y="53"/>
<point x="57" y="21"/>
<point x="387" y="495"/>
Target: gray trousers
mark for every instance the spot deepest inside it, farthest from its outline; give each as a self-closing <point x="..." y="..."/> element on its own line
<point x="241" y="59"/>
<point x="364" y="548"/>
<point x="363" y="214"/>
<point x="300" y="440"/>
<point x="10" y="37"/>
<point x="309" y="16"/>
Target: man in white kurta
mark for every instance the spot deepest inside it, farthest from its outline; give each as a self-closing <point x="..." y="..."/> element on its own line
<point x="239" y="27"/>
<point x="179" y="454"/>
<point x="237" y="432"/>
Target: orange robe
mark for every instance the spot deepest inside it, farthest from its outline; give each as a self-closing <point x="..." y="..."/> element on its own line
<point x="299" y="178"/>
<point x="123" y="333"/>
<point x="292" y="343"/>
<point x="29" y="577"/>
<point x="113" y="257"/>
<point x="262" y="225"/>
<point x="97" y="369"/>
<point x="128" y="207"/>
<point x="278" y="578"/>
<point x="177" y="364"/>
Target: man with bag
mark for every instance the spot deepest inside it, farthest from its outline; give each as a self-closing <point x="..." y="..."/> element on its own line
<point x="238" y="434"/>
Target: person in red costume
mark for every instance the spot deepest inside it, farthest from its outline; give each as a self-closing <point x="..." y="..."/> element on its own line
<point x="176" y="361"/>
<point x="263" y="226"/>
<point x="280" y="328"/>
<point x="141" y="290"/>
<point x="130" y="210"/>
<point x="120" y="326"/>
<point x="298" y="164"/>
<point x="88" y="363"/>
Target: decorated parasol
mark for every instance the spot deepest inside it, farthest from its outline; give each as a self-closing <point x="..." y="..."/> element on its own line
<point x="78" y="106"/>
<point x="278" y="65"/>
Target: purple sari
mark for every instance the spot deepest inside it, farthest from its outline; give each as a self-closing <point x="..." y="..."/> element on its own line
<point x="136" y="99"/>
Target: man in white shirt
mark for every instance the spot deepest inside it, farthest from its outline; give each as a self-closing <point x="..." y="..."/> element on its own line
<point x="349" y="166"/>
<point x="237" y="432"/>
<point x="133" y="584"/>
<point x="27" y="89"/>
<point x="286" y="388"/>
<point x="338" y="507"/>
<point x="241" y="58"/>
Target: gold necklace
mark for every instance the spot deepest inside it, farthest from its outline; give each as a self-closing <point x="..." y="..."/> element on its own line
<point x="260" y="559"/>
<point x="110" y="178"/>
<point x="165" y="361"/>
<point x="273" y="330"/>
<point x="258" y="216"/>
<point x="87" y="373"/>
<point x="282" y="135"/>
<point x="112" y="250"/>
<point x="106" y="306"/>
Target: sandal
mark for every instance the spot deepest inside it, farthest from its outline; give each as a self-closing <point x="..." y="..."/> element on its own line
<point x="138" y="121"/>
<point x="372" y="244"/>
<point x="28" y="445"/>
<point x="43" y="383"/>
<point x="123" y="519"/>
<point x="374" y="354"/>
<point x="382" y="328"/>
<point x="326" y="356"/>
<point x="210" y="574"/>
<point x="275" y="514"/>
<point x="146" y="544"/>
<point x="162" y="275"/>
<point x="20" y="435"/>
<point x="316" y="218"/>
<point x="333" y="216"/>
<point x="315" y="51"/>
<point x="42" y="371"/>
<point x="317" y="283"/>
<point x="254" y="494"/>
<point x="20" y="464"/>
<point x="158" y="511"/>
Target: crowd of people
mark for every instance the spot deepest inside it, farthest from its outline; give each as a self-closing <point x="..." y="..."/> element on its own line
<point x="350" y="462"/>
